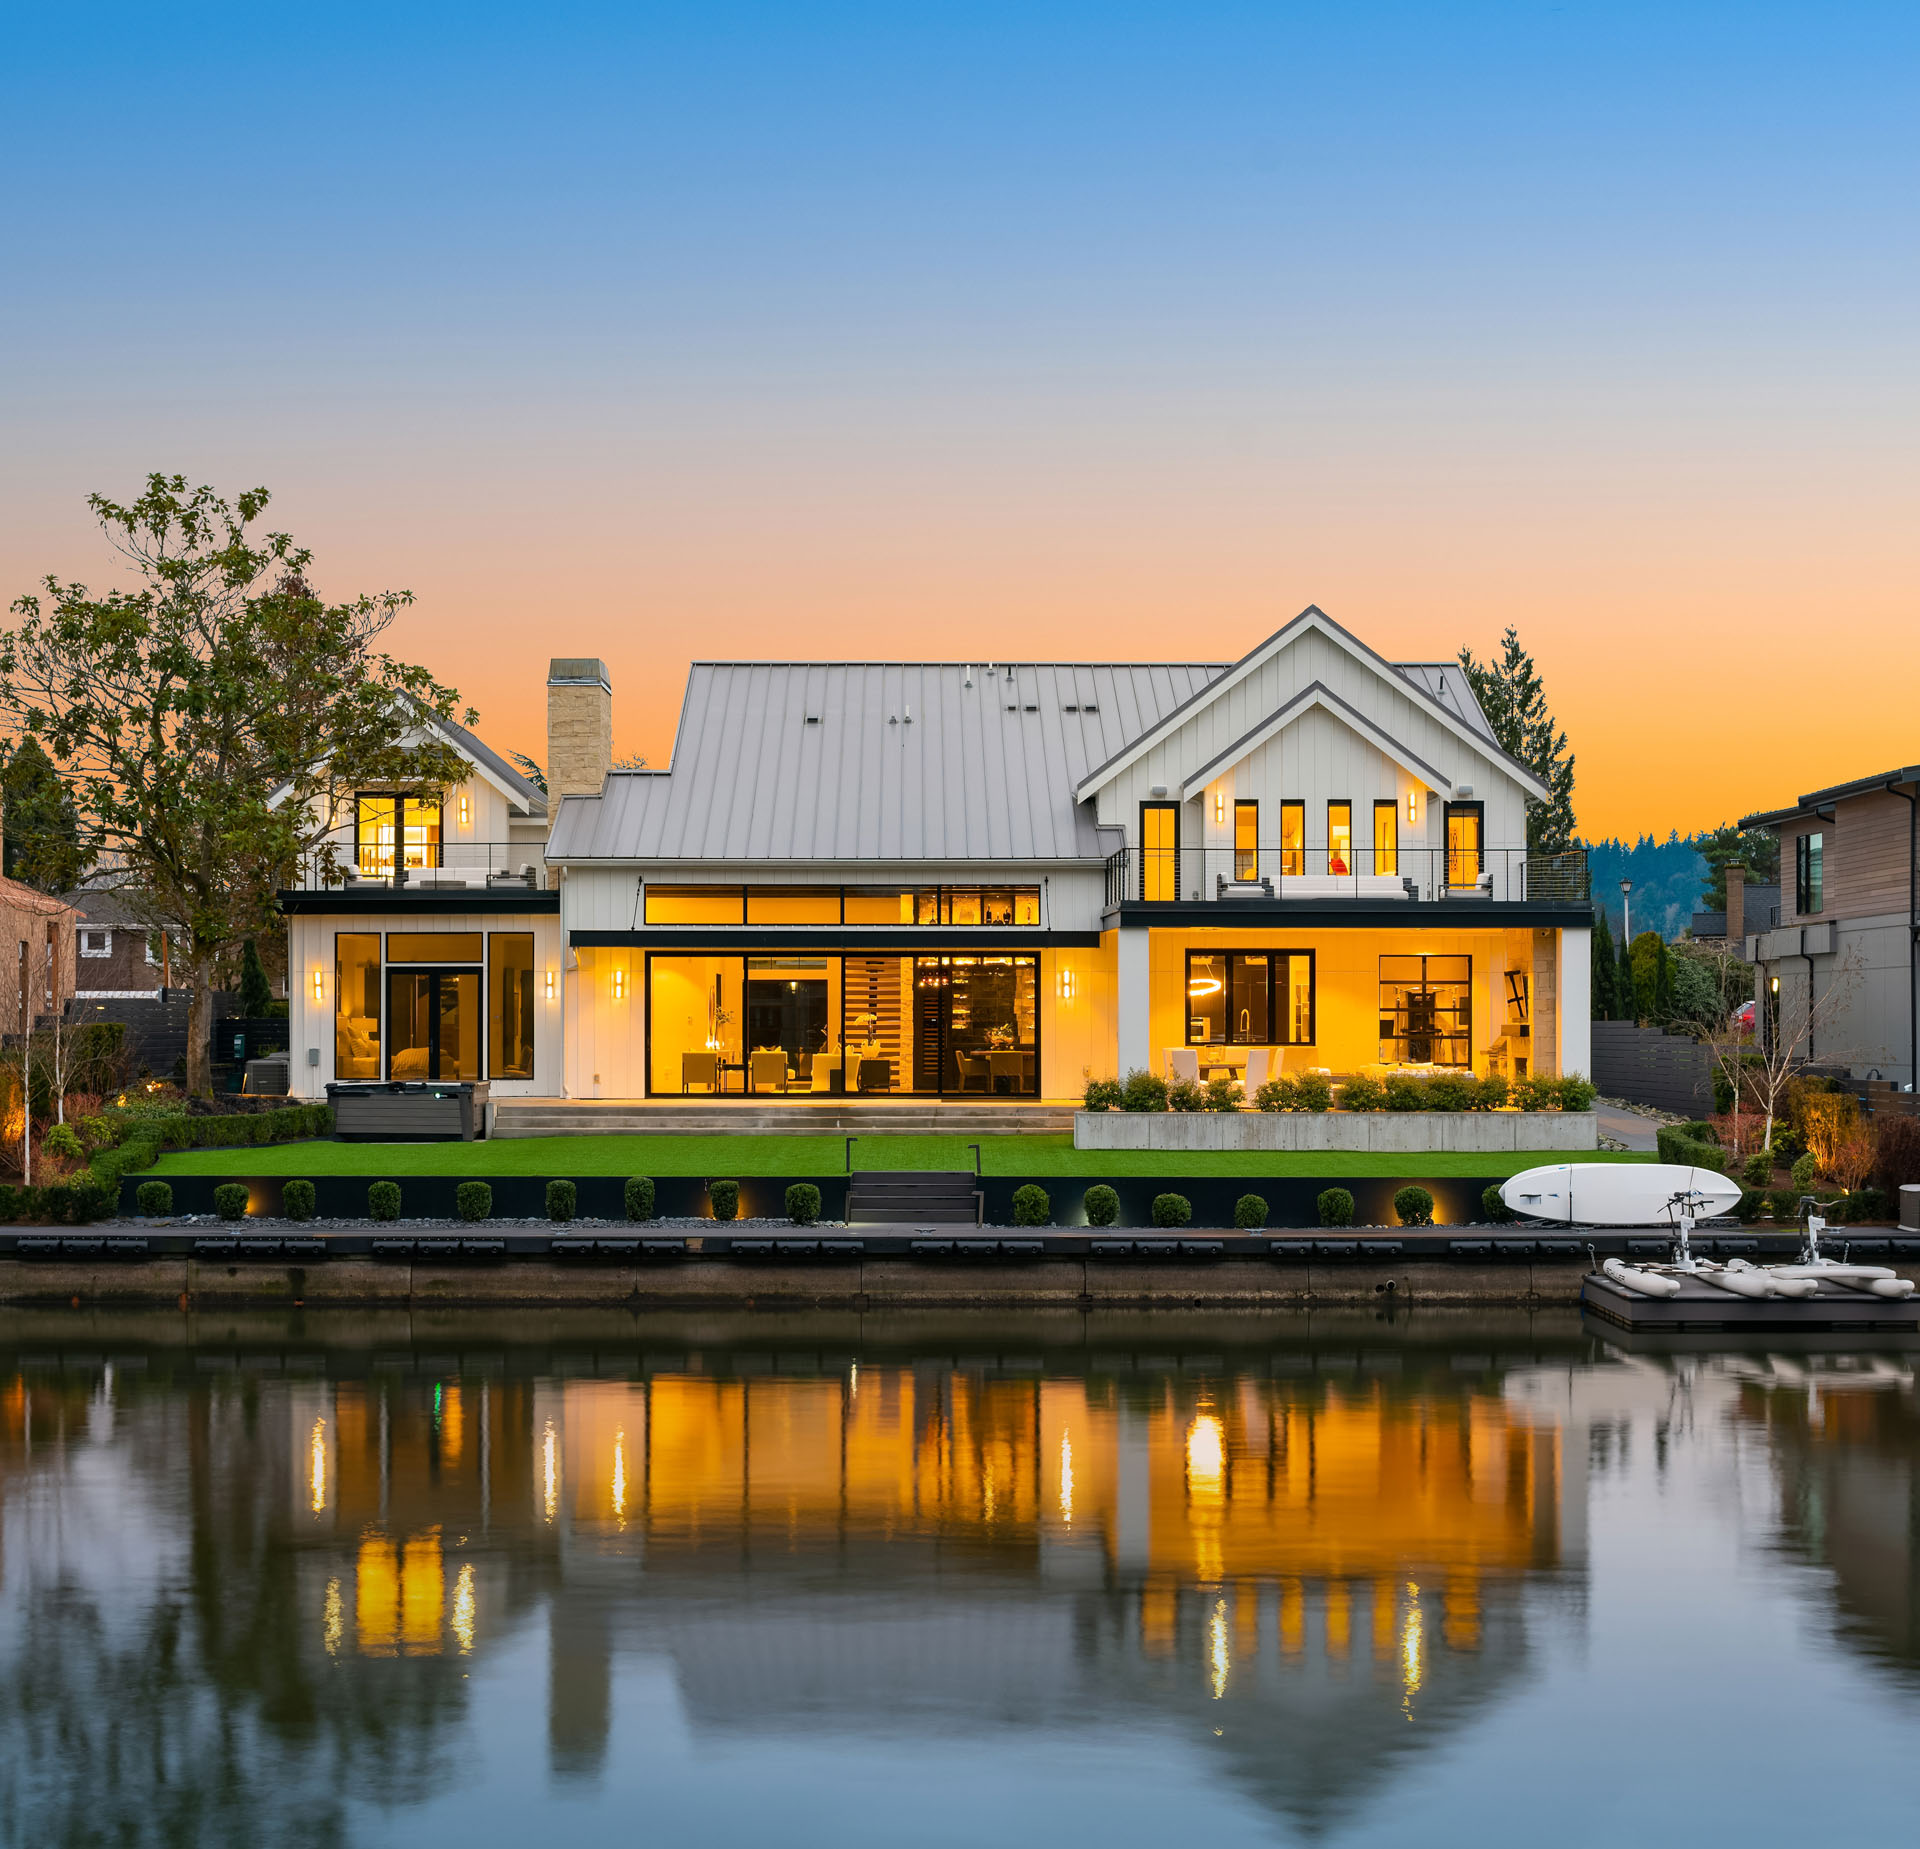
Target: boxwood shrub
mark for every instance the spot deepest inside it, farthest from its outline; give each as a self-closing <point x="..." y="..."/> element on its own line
<point x="297" y="1200"/>
<point x="230" y="1200"/>
<point x="1757" y="1170"/>
<point x="1102" y="1205"/>
<point x="1141" y="1090"/>
<point x="473" y="1200"/>
<point x="1414" y="1206"/>
<point x="639" y="1197"/>
<point x="1313" y="1091"/>
<point x="1103" y="1095"/>
<point x="1362" y="1092"/>
<point x="1336" y="1207"/>
<point x="154" y="1199"/>
<point x="1250" y="1212"/>
<point x="1032" y="1206"/>
<point x="724" y="1197"/>
<point x="562" y="1199"/>
<point x="1172" y="1210"/>
<point x="1186" y="1095"/>
<point x="383" y="1201"/>
<point x="1495" y="1209"/>
<point x="803" y="1203"/>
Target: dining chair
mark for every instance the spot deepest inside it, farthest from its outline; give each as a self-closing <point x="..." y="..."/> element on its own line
<point x="1263" y="1063"/>
<point x="975" y="1072"/>
<point x="1183" y="1062"/>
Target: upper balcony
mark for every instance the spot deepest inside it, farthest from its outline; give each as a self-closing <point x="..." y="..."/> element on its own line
<point x="1236" y="879"/>
<point x="459" y="873"/>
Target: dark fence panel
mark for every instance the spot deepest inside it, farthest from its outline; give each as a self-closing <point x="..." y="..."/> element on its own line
<point x="1646" y="1066"/>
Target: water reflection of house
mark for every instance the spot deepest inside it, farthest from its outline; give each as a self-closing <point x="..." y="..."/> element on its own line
<point x="1301" y="1567"/>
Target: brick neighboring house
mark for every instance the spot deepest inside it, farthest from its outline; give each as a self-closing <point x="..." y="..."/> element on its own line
<point x="1849" y="894"/>
<point x="119" y="956"/>
<point x="39" y="943"/>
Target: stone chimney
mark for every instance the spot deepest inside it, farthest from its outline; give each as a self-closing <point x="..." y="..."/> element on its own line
<point x="1736" y="903"/>
<point x="579" y="729"/>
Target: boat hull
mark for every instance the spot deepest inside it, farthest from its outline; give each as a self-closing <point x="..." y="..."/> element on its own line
<point x="1616" y="1193"/>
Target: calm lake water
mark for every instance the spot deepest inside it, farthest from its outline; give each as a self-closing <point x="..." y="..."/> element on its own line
<point x="828" y="1581"/>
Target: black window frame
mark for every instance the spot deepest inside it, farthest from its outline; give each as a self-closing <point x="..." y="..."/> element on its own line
<point x="1346" y="803"/>
<point x="1478" y="811"/>
<point x="1240" y="871"/>
<point x="1810" y="874"/>
<point x="1174" y="808"/>
<point x="400" y="798"/>
<point x="1374" y="848"/>
<point x="1275" y="958"/>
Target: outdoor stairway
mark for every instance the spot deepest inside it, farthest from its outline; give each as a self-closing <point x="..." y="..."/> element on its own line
<point x="922" y="1197"/>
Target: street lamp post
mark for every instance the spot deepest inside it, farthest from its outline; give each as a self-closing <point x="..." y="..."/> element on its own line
<point x="1626" y="911"/>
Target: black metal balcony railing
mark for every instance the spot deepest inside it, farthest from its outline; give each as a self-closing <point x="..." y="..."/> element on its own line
<point x="1190" y="875"/>
<point x="451" y="865"/>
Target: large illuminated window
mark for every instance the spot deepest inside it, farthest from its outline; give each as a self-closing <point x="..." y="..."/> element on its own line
<point x="1386" y="837"/>
<point x="1466" y="851"/>
<point x="356" y="1005"/>
<point x="1340" y="837"/>
<point x="1426" y="1011"/>
<point x="1246" y="841"/>
<point x="696" y="905"/>
<point x="384" y="821"/>
<point x="1159" y="852"/>
<point x="1293" y="840"/>
<point x="1250" y="998"/>
<point x="510" y="1004"/>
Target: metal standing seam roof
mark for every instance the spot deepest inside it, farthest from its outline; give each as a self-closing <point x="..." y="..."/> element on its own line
<point x="895" y="761"/>
<point x="884" y="761"/>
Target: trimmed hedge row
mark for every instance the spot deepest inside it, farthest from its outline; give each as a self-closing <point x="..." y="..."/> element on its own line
<point x="1684" y="1151"/>
<point x="1316" y="1091"/>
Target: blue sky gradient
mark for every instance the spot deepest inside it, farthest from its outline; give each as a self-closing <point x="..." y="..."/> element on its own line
<point x="1080" y="331"/>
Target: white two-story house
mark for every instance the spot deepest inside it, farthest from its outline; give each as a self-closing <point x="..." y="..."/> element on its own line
<point x="981" y="881"/>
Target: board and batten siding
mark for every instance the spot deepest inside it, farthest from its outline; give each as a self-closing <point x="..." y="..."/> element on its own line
<point x="1329" y="761"/>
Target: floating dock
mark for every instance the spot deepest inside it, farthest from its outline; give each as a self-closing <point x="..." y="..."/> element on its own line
<point x="1832" y="1307"/>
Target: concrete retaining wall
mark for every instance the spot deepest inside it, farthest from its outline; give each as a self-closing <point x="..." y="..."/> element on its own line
<point x="1361" y="1132"/>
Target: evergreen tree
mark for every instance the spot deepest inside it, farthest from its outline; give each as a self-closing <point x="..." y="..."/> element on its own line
<point x="1514" y="700"/>
<point x="41" y="827"/>
<point x="256" y="992"/>
<point x="1604" y="1006"/>
<point x="1756" y="850"/>
<point x="1625" y="996"/>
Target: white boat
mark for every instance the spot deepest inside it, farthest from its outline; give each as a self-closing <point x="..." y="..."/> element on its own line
<point x="1618" y="1193"/>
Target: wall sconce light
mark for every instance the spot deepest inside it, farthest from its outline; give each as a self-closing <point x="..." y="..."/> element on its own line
<point x="550" y="982"/>
<point x="1774" y="985"/>
<point x="1219" y="806"/>
<point x="619" y="985"/>
<point x="466" y="810"/>
<point x="319" y="985"/>
<point x="1066" y="985"/>
<point x="1413" y="808"/>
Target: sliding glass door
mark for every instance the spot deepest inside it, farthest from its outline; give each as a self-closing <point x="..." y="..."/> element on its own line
<point x="433" y="1024"/>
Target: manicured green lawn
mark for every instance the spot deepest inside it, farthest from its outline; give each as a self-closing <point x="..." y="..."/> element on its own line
<point x="817" y="1155"/>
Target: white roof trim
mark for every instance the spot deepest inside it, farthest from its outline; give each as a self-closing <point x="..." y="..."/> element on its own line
<point x="1312" y="617"/>
<point x="1322" y="696"/>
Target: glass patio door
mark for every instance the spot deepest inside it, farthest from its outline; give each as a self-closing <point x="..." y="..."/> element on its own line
<point x="433" y="1024"/>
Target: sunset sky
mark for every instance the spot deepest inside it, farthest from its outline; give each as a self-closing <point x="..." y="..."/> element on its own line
<point x="1024" y="331"/>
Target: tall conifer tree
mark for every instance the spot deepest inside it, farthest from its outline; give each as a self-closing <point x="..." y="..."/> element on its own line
<point x="1514" y="699"/>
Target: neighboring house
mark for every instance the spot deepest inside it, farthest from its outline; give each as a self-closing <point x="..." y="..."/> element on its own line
<point x="1848" y="919"/>
<point x="983" y="881"/>
<point x="119" y="956"/>
<point x="1750" y="909"/>
<point x="37" y="932"/>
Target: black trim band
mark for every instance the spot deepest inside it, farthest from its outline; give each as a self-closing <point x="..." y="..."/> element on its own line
<point x="408" y="900"/>
<point x="1356" y="914"/>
